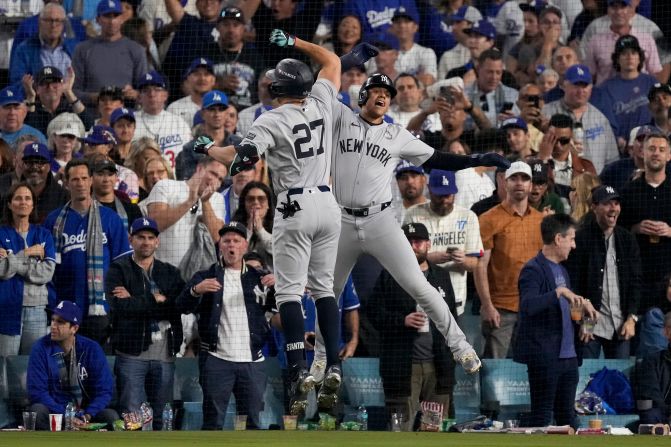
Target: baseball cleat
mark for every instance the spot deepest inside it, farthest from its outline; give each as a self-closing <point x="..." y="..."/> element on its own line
<point x="300" y="387"/>
<point x="327" y="397"/>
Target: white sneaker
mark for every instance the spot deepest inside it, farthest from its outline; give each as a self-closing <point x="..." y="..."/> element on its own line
<point x="470" y="362"/>
<point x="318" y="369"/>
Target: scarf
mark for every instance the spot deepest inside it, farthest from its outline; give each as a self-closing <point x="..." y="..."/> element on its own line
<point x="69" y="376"/>
<point x="94" y="255"/>
<point x="121" y="211"/>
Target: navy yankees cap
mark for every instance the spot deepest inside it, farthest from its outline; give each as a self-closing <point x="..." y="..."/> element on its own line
<point x="144" y="224"/>
<point x="658" y="87"/>
<point x="68" y="311"/>
<point x="104" y="164"/>
<point x="604" y="193"/>
<point x="442" y="183"/>
<point x="415" y="230"/>
<point x="235" y="227"/>
<point x="48" y="73"/>
<point x="232" y="13"/>
<point x="36" y="150"/>
<point x="111" y="91"/>
<point x="540" y="171"/>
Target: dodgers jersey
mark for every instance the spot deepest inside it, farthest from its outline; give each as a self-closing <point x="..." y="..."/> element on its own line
<point x="306" y="162"/>
<point x="365" y="157"/>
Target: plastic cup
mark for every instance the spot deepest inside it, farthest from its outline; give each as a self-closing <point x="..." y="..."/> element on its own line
<point x="576" y="311"/>
<point x="29" y="418"/>
<point x="55" y="421"/>
<point x="512" y="423"/>
<point x="588" y="324"/>
<point x="290" y="422"/>
<point x="241" y="422"/>
<point x="595" y="423"/>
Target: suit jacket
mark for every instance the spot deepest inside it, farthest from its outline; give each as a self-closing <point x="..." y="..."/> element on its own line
<point x="539" y="324"/>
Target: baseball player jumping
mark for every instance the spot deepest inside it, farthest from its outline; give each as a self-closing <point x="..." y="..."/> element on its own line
<point x="297" y="138"/>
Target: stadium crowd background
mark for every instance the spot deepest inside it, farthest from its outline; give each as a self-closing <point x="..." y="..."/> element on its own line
<point x="578" y="90"/>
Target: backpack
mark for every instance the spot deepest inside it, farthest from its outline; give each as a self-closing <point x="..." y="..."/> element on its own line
<point x="613" y="387"/>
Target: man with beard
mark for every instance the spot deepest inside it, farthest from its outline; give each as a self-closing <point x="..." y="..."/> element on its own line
<point x="454" y="231"/>
<point x="646" y="211"/>
<point x="411" y="182"/>
<point x="199" y="80"/>
<point x="511" y="236"/>
<point x="415" y="363"/>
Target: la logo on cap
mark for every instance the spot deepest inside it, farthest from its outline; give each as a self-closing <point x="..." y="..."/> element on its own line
<point x="203" y="61"/>
<point x="60" y="305"/>
<point x="580" y="71"/>
<point x="610" y="190"/>
<point x="35" y="147"/>
<point x="148" y="77"/>
<point x="111" y="4"/>
<point x="216" y="97"/>
<point x="411" y="228"/>
<point x="446" y="182"/>
<point x="145" y="222"/>
<point x="124" y="110"/>
<point x="10" y="93"/>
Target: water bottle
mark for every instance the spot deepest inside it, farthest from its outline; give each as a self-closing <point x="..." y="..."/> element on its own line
<point x="147" y="416"/>
<point x="69" y="416"/>
<point x="395" y="423"/>
<point x="362" y="418"/>
<point x="167" y="417"/>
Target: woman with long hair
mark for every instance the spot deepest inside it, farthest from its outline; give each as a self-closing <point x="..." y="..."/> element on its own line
<point x="580" y="196"/>
<point x="142" y="150"/>
<point x="257" y="211"/>
<point x="27" y="263"/>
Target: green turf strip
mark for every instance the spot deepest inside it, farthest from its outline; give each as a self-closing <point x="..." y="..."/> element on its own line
<point x="317" y="439"/>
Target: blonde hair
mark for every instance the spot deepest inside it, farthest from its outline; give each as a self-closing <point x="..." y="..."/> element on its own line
<point x="137" y="147"/>
<point x="582" y="186"/>
<point x="164" y="162"/>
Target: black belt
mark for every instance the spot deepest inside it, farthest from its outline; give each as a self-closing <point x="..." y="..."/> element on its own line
<point x="298" y="191"/>
<point x="363" y="212"/>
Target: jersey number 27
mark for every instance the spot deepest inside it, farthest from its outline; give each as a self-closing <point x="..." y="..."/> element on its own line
<point x="307" y="137"/>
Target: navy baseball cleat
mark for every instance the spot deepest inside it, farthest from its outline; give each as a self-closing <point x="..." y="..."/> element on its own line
<point x="300" y="387"/>
<point x="327" y="397"/>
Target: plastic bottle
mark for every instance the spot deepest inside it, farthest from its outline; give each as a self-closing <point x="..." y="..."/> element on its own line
<point x="167" y="417"/>
<point x="69" y="416"/>
<point x="362" y="418"/>
<point x="147" y="416"/>
<point x="395" y="423"/>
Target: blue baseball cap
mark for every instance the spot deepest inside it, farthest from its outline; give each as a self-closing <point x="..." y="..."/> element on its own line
<point x="515" y="123"/>
<point x="100" y="135"/>
<point x="144" y="224"/>
<point x="403" y="12"/>
<point x="197" y="63"/>
<point x="10" y="95"/>
<point x="464" y="13"/>
<point x="121" y="112"/>
<point x="197" y="119"/>
<point x="68" y="311"/>
<point x="36" y="150"/>
<point x="108" y="7"/>
<point x="406" y="166"/>
<point x="442" y="183"/>
<point x="213" y="98"/>
<point x="483" y="28"/>
<point x="578" y="74"/>
<point x="384" y="41"/>
<point x="152" y="78"/>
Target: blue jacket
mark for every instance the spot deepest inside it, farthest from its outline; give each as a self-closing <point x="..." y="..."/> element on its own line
<point x="539" y="323"/>
<point x="12" y="278"/>
<point x="95" y="376"/>
<point x="31" y="27"/>
<point x="27" y="59"/>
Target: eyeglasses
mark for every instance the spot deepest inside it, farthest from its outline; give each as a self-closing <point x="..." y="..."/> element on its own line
<point x="252" y="199"/>
<point x="563" y="140"/>
<point x="39" y="162"/>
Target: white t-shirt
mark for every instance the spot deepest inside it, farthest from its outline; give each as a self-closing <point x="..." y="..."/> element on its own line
<point x="416" y="60"/>
<point x="169" y="130"/>
<point x="185" y="108"/>
<point x="472" y="187"/>
<point x="454" y="58"/>
<point x="459" y="229"/>
<point x="431" y="123"/>
<point x="176" y="239"/>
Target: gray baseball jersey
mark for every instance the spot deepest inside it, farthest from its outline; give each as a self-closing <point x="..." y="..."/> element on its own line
<point x="364" y="158"/>
<point x="297" y="139"/>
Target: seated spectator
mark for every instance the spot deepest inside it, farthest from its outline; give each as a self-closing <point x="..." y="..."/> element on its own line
<point x="257" y="209"/>
<point x="411" y="182"/>
<point x="237" y="64"/>
<point x="169" y="130"/>
<point x="520" y="61"/>
<point x="6" y="158"/>
<point x="348" y="33"/>
<point x="460" y="21"/>
<point x="109" y="99"/>
<point x="122" y="121"/>
<point x="47" y="46"/>
<point x="13" y="113"/>
<point x="622" y="97"/>
<point x="406" y="104"/>
<point x="598" y="144"/>
<point x="563" y="58"/>
<point x="547" y="80"/>
<point x="550" y="27"/>
<point x="146" y="328"/>
<point x="27" y="264"/>
<point x="49" y="96"/>
<point x="385" y="62"/>
<point x="91" y="60"/>
<point x="601" y="46"/>
<point x="64" y="133"/>
<point x="155" y="170"/>
<point x="412" y="57"/>
<point x="67" y="367"/>
<point x="530" y="102"/>
<point x="542" y="195"/>
<point x="580" y="196"/>
<point x="81" y="272"/>
<point x="142" y="150"/>
<point x="481" y="37"/>
<point x="659" y="97"/>
<point x="231" y="301"/>
<point x="517" y="136"/>
<point x="104" y="180"/>
<point x="139" y="30"/>
<point x="199" y="80"/>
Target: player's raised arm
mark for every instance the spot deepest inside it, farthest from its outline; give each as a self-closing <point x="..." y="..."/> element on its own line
<point x="328" y="60"/>
<point x="238" y="158"/>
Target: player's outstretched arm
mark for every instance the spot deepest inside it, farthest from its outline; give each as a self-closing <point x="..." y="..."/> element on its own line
<point x="328" y="60"/>
<point x="237" y="158"/>
<point x="452" y="162"/>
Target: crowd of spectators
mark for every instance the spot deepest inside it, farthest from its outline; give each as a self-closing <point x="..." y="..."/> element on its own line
<point x="101" y="103"/>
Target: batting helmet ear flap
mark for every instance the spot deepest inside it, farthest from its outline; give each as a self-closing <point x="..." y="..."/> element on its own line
<point x="363" y="96"/>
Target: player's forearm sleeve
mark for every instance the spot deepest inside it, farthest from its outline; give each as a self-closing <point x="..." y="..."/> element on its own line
<point x="358" y="56"/>
<point x="447" y="162"/>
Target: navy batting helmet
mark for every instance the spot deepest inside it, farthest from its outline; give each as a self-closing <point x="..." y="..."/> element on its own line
<point x="376" y="80"/>
<point x="291" y="78"/>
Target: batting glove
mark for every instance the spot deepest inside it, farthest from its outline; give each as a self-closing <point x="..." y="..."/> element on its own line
<point x="245" y="158"/>
<point x="490" y="159"/>
<point x="203" y="144"/>
<point x="359" y="55"/>
<point x="282" y="39"/>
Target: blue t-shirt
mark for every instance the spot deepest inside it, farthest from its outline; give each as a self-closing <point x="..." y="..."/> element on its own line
<point x="70" y="276"/>
<point x="567" y="350"/>
<point x="11" y="137"/>
<point x="375" y="15"/>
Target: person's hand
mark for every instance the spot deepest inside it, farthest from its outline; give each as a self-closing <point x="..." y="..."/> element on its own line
<point x="69" y="81"/>
<point x="3" y="253"/>
<point x="160" y="298"/>
<point x="489" y="314"/>
<point x="648" y="227"/>
<point x="203" y="144"/>
<point x="628" y="329"/>
<point x="251" y="220"/>
<point x="458" y="257"/>
<point x="588" y="309"/>
<point x="207" y="193"/>
<point x="309" y="338"/>
<point x="35" y="251"/>
<point x="28" y="90"/>
<point x="268" y="280"/>
<point x="78" y="422"/>
<point x="438" y="257"/>
<point x="459" y="99"/>
<point x="571" y="297"/>
<point x="229" y="82"/>
<point x="209" y="285"/>
<point x="415" y="320"/>
<point x="552" y="36"/>
<point x="502" y="116"/>
<point x="129" y="92"/>
<point x="585" y="337"/>
<point x="490" y="159"/>
<point x="120" y="292"/>
<point x="348" y="350"/>
<point x="547" y="211"/>
<point x="547" y="144"/>
<point x="469" y="77"/>
<point x="282" y="39"/>
<point x="662" y="229"/>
